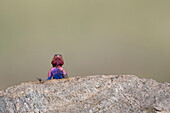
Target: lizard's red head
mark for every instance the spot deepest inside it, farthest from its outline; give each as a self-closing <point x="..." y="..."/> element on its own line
<point x="57" y="60"/>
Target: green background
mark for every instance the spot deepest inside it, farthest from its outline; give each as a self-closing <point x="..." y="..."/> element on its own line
<point x="95" y="37"/>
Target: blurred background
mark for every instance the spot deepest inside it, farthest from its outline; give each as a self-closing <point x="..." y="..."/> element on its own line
<point x="95" y="37"/>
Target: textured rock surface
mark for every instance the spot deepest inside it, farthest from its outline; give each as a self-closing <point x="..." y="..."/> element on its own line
<point x="100" y="93"/>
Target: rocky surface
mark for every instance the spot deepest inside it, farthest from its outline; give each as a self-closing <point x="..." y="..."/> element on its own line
<point x="90" y="94"/>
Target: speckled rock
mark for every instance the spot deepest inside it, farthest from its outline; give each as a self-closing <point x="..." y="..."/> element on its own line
<point x="89" y="94"/>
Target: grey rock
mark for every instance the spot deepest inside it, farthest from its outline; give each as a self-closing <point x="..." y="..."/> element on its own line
<point x="89" y="94"/>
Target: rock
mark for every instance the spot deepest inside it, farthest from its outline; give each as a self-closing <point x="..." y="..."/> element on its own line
<point x="89" y="94"/>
